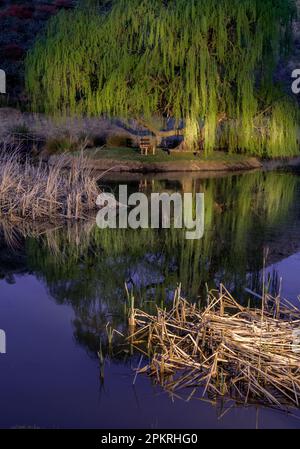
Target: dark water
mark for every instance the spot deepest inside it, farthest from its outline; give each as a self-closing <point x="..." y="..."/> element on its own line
<point x="58" y="291"/>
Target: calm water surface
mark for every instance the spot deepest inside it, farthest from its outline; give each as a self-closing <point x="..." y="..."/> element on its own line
<point x="58" y="292"/>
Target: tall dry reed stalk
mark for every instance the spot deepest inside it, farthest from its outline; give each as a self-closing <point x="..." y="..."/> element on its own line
<point x="40" y="191"/>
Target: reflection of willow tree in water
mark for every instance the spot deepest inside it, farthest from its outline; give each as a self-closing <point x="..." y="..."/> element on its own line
<point x="88" y="269"/>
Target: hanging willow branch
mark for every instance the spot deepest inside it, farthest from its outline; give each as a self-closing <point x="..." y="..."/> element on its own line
<point x="191" y="60"/>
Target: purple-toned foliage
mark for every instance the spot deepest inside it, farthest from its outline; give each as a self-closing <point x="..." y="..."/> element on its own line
<point x="21" y="22"/>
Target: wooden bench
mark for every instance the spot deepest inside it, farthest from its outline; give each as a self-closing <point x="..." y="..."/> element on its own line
<point x="147" y="146"/>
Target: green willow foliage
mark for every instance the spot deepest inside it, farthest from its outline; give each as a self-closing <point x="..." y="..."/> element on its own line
<point x="183" y="59"/>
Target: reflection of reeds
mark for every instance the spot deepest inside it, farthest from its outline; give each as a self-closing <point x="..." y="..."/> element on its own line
<point x="74" y="234"/>
<point x="131" y="311"/>
<point x="46" y="192"/>
<point x="226" y="349"/>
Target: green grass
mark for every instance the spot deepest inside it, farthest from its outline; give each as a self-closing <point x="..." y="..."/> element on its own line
<point x="133" y="154"/>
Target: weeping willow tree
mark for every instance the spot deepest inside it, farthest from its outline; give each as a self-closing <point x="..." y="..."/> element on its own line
<point x="206" y="66"/>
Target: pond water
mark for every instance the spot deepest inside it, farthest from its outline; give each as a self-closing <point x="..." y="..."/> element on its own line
<point x="59" y="290"/>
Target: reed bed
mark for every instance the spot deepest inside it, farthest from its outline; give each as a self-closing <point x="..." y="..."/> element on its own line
<point x="38" y="191"/>
<point x="225" y="349"/>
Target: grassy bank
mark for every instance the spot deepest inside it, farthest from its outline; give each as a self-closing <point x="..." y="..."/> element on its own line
<point x="133" y="155"/>
<point x="130" y="160"/>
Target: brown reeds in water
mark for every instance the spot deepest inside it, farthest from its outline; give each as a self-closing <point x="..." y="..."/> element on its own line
<point x="248" y="354"/>
<point x="39" y="191"/>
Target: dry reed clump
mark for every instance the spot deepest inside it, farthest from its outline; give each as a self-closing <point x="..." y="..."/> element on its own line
<point x="40" y="191"/>
<point x="248" y="354"/>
